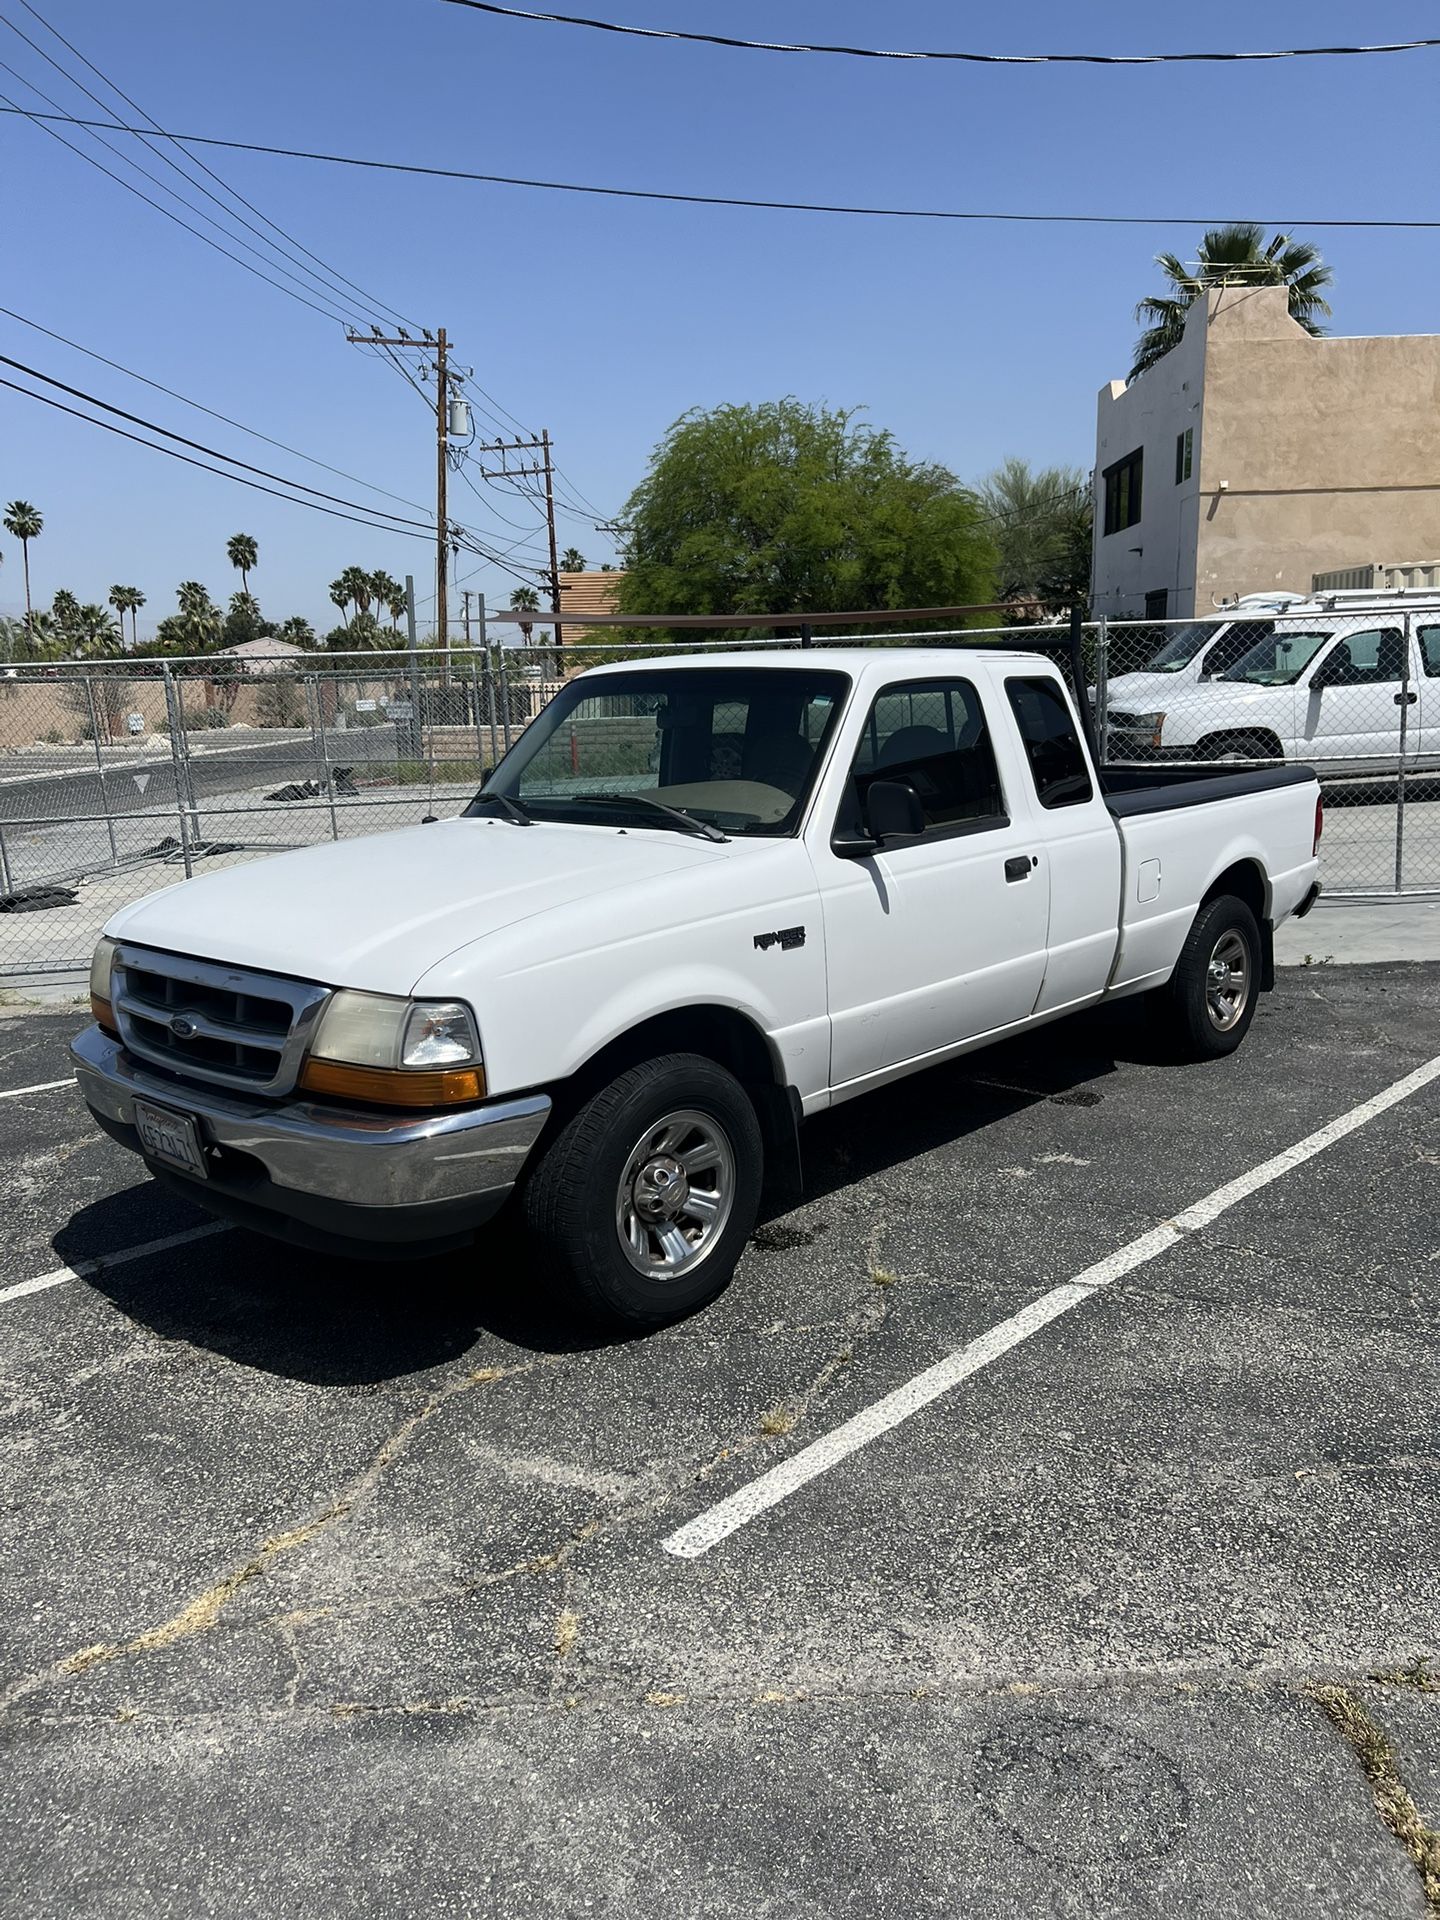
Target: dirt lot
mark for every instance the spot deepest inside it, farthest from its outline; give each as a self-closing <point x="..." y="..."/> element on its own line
<point x="331" y="1591"/>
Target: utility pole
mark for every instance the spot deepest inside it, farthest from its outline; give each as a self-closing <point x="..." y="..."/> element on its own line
<point x="550" y="523"/>
<point x="540" y="467"/>
<point x="440" y="347"/>
<point x="465" y="595"/>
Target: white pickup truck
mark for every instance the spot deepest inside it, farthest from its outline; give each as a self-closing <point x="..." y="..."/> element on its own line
<point x="699" y="900"/>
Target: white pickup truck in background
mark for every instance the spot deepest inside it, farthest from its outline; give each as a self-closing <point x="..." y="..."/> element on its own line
<point x="699" y="900"/>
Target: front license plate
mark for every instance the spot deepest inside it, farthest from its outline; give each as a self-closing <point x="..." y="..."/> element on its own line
<point x="172" y="1138"/>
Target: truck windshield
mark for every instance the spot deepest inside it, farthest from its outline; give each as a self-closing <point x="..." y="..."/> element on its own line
<point x="734" y="748"/>
<point x="1278" y="660"/>
<point x="1183" y="645"/>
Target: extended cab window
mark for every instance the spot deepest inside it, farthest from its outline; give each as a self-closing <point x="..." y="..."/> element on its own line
<point x="1052" y="742"/>
<point x="1430" y="651"/>
<point x="930" y="735"/>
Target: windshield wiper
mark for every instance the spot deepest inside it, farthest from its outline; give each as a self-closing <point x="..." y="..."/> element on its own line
<point x="685" y="820"/>
<point x="511" y="809"/>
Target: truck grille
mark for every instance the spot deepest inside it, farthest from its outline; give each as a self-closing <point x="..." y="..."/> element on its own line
<point x="223" y="1025"/>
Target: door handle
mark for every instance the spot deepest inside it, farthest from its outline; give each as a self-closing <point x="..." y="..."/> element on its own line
<point x="1019" y="867"/>
<point x="1406" y="699"/>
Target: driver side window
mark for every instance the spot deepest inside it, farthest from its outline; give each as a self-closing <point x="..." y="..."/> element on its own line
<point x="930" y="736"/>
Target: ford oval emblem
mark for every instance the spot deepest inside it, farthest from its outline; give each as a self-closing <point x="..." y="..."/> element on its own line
<point x="183" y="1027"/>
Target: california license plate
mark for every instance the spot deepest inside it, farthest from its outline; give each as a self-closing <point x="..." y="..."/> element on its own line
<point x="172" y="1138"/>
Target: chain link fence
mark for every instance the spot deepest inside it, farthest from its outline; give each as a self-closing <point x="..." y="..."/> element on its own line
<point x="121" y="777"/>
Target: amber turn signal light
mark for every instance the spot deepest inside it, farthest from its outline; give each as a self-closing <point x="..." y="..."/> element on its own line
<point x="389" y="1087"/>
<point x="103" y="1014"/>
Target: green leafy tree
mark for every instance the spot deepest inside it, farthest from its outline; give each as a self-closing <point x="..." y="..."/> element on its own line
<point x="24" y="523"/>
<point x="243" y="552"/>
<point x="572" y="561"/>
<point x="1231" y="256"/>
<point x="1039" y="520"/>
<point x="363" y="634"/>
<point x="785" y="507"/>
<point x="127" y="600"/>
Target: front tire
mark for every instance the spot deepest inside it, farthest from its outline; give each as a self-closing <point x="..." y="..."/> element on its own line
<point x="643" y="1201"/>
<point x="1209" y="1003"/>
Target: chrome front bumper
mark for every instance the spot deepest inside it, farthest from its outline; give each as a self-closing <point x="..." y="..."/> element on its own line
<point x="346" y="1172"/>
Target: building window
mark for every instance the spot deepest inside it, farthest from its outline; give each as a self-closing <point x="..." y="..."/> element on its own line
<point x="1122" y="491"/>
<point x="1157" y="603"/>
<point x="1184" y="449"/>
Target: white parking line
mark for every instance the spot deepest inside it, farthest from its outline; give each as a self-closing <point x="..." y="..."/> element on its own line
<point x="697" y="1536"/>
<point x="45" y="1086"/>
<point x="103" y="1261"/>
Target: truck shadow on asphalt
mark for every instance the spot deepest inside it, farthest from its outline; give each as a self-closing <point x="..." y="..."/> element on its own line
<point x="333" y="1322"/>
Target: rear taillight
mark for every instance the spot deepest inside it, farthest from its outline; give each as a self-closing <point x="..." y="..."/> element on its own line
<point x="1319" y="823"/>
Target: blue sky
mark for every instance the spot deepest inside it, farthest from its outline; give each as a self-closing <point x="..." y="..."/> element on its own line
<point x="603" y="319"/>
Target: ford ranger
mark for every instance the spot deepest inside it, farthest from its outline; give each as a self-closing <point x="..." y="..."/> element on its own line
<point x="700" y="899"/>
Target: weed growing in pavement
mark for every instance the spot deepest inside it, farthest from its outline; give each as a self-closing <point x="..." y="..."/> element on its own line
<point x="1379" y="1763"/>
<point x="777" y="1422"/>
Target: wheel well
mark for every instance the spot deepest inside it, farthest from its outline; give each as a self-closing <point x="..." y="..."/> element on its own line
<point x="1246" y="882"/>
<point x="733" y="1042"/>
<point x="1267" y="743"/>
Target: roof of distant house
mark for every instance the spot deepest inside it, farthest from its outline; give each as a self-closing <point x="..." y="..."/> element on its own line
<point x="267" y="649"/>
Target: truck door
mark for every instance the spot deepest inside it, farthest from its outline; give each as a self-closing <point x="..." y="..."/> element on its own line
<point x="937" y="939"/>
<point x="1425" y="714"/>
<point x="1350" y="710"/>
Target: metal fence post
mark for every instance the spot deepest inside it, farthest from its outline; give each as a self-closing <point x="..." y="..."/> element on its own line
<point x="1102" y="687"/>
<point x="175" y="714"/>
<point x="100" y="769"/>
<point x="322" y="751"/>
<point x="7" y="885"/>
<point x="475" y="701"/>
<point x="504" y="696"/>
<point x="1405" y="698"/>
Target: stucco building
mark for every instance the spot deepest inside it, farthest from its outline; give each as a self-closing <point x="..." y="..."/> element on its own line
<point x="1253" y="457"/>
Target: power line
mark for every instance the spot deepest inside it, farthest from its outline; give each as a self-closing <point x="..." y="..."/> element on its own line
<point x="78" y="393"/>
<point x="733" y="200"/>
<point x="238" y="479"/>
<point x="312" y="282"/>
<point x="380" y="306"/>
<point x="40" y="119"/>
<point x="199" y="407"/>
<point x="917" y="53"/>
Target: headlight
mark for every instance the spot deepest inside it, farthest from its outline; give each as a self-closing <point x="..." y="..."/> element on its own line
<point x="409" y="1053"/>
<point x="100" y="989"/>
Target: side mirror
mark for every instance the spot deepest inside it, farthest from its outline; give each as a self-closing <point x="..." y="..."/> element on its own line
<point x="893" y="811"/>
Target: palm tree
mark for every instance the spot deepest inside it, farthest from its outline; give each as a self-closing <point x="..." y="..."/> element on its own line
<point x="65" y="613"/>
<point x="200" y="618"/>
<point x="243" y="552"/>
<point x="390" y="595"/>
<point x="525" y="600"/>
<point x="572" y="561"/>
<point x="354" y="586"/>
<point x="23" y="523"/>
<point x="94" y="633"/>
<point x="298" y="631"/>
<point x="1231" y="256"/>
<point x="126" y="600"/>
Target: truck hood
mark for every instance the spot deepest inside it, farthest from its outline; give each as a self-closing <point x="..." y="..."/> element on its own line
<point x="1148" y="692"/>
<point x="380" y="911"/>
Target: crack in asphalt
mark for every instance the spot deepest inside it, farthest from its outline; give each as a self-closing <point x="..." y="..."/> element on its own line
<point x="1394" y="1803"/>
<point x="204" y="1612"/>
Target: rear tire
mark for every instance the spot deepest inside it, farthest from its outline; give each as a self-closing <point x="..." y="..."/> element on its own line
<point x="644" y="1199"/>
<point x="1206" y="1009"/>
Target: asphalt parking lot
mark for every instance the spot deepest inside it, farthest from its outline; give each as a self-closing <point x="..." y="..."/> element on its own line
<point x="330" y="1591"/>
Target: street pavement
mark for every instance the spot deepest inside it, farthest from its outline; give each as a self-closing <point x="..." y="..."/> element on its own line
<point x="338" y="1590"/>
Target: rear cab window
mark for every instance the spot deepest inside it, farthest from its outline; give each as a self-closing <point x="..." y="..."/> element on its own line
<point x="1050" y="736"/>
